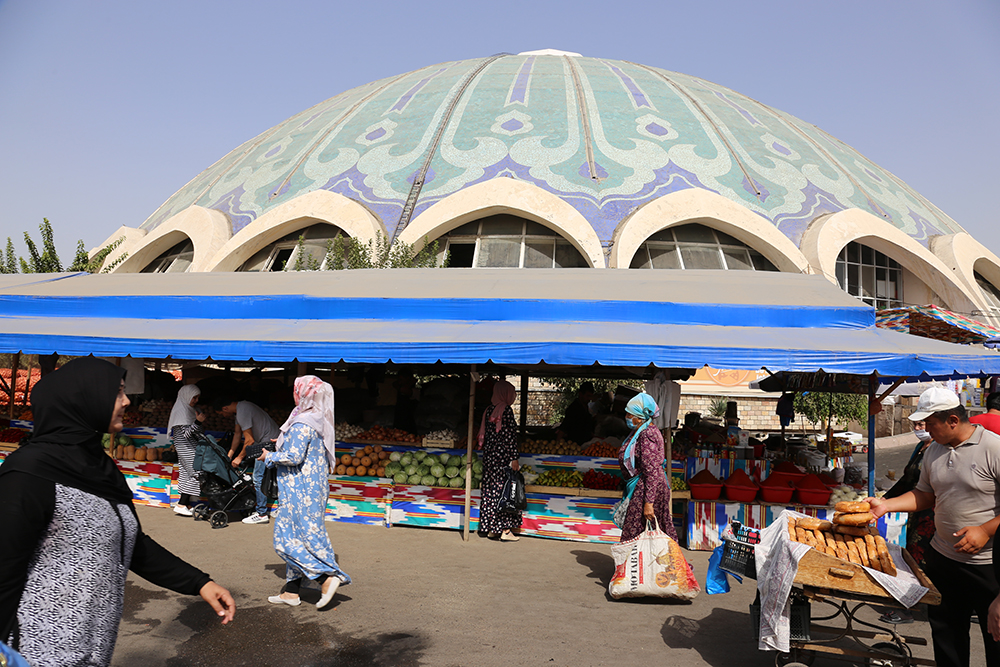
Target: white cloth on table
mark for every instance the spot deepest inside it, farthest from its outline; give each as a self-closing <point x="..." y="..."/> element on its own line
<point x="777" y="559"/>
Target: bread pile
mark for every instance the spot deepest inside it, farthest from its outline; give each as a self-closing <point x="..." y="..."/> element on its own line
<point x="848" y="536"/>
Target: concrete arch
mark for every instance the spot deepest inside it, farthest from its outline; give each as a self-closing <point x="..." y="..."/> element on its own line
<point x="506" y="195"/>
<point x="316" y="206"/>
<point x="695" y="205"/>
<point x="207" y="228"/>
<point x="966" y="256"/>
<point x="825" y="236"/>
<point x="131" y="238"/>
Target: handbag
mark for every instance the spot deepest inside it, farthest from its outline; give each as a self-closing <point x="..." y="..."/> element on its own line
<point x="513" y="498"/>
<point x="652" y="565"/>
<point x="620" y="509"/>
<point x="269" y="483"/>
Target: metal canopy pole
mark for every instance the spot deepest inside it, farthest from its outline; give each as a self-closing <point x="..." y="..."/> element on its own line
<point x="871" y="436"/>
<point x="468" y="453"/>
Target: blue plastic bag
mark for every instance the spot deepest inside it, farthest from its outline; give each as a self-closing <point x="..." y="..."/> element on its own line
<point x="12" y="657"/>
<point x="716" y="579"/>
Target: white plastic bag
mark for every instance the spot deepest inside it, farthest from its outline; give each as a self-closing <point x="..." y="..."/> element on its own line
<point x="652" y="565"/>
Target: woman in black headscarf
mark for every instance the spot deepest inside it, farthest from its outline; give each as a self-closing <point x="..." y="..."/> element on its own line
<point x="69" y="530"/>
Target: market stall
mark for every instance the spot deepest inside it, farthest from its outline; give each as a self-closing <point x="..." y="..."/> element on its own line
<point x="577" y="321"/>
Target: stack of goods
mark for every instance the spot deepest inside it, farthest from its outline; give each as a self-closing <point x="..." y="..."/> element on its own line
<point x="604" y="449"/>
<point x="558" y="447"/>
<point x="848" y="537"/>
<point x="678" y="483"/>
<point x="424" y="469"/>
<point x="705" y="486"/>
<point x="365" y="462"/>
<point x="595" y="479"/>
<point x="347" y="431"/>
<point x="777" y="488"/>
<point x="12" y="435"/>
<point x="563" y="478"/>
<point x="740" y="488"/>
<point x="812" y="491"/>
<point x="444" y="437"/>
<point x="844" y="493"/>
<point x="383" y="434"/>
<point x="122" y="448"/>
<point x="529" y="473"/>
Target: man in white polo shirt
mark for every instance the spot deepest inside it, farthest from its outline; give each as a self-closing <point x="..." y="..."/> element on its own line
<point x="960" y="479"/>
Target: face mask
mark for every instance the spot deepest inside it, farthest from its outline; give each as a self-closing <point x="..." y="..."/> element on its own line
<point x="923" y="436"/>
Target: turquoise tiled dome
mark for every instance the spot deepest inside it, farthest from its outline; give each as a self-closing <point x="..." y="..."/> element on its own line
<point x="606" y="136"/>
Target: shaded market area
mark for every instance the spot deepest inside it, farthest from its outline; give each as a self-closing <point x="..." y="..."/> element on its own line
<point x="458" y="330"/>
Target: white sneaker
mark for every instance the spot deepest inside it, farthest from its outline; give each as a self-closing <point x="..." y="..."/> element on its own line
<point x="183" y="510"/>
<point x="257" y="518"/>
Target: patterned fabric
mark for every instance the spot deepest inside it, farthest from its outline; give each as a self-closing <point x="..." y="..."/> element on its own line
<point x="499" y="450"/>
<point x="651" y="488"/>
<point x="184" y="443"/>
<point x="72" y="621"/>
<point x="300" y="536"/>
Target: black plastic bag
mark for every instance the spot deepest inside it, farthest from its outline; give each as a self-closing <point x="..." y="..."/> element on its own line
<point x="513" y="499"/>
<point x="269" y="483"/>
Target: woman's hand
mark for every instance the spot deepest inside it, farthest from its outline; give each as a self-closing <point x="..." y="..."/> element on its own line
<point x="647" y="511"/>
<point x="263" y="455"/>
<point x="220" y="599"/>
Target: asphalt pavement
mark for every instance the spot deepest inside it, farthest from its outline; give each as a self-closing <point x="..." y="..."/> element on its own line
<point x="425" y="597"/>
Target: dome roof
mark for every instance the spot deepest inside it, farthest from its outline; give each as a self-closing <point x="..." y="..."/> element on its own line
<point x="605" y="136"/>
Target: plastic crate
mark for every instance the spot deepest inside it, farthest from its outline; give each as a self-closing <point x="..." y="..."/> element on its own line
<point x="738" y="558"/>
<point x="799" y="619"/>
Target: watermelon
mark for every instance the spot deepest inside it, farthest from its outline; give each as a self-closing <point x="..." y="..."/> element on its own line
<point x="413" y="479"/>
<point x="442" y="481"/>
<point x="400" y="478"/>
<point x="451" y="472"/>
<point x="437" y="470"/>
<point x="428" y="480"/>
<point x="456" y="482"/>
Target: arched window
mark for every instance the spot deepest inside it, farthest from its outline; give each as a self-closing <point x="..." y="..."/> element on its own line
<point x="990" y="292"/>
<point x="509" y="241"/>
<point x="175" y="260"/>
<point x="284" y="254"/>
<point x="869" y="275"/>
<point x="695" y="246"/>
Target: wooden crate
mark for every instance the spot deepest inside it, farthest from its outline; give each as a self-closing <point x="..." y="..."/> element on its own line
<point x="439" y="444"/>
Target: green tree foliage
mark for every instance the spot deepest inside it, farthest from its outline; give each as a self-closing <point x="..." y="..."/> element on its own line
<point x="93" y="265"/>
<point x="820" y="407"/>
<point x="343" y="252"/>
<point x="9" y="264"/>
<point x="46" y="261"/>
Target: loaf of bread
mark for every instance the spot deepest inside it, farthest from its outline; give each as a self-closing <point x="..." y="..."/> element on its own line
<point x="859" y="544"/>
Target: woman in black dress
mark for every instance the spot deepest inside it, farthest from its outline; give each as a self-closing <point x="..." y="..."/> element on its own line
<point x="498" y="440"/>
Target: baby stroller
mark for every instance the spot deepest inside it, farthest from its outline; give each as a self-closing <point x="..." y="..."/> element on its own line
<point x="227" y="489"/>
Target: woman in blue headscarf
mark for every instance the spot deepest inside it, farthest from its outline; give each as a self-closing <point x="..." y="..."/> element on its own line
<point x="642" y="458"/>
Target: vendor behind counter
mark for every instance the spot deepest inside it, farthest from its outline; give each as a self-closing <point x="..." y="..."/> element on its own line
<point x="578" y="424"/>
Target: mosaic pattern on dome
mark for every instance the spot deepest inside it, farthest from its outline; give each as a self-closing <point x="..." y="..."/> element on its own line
<point x="531" y="117"/>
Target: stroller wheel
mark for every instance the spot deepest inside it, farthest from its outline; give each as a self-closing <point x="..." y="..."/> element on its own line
<point x="200" y="512"/>
<point x="219" y="519"/>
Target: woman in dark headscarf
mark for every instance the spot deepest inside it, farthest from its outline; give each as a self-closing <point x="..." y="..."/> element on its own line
<point x="498" y="440"/>
<point x="70" y="532"/>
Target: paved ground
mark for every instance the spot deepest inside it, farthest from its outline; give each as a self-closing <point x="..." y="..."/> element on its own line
<point x="424" y="597"/>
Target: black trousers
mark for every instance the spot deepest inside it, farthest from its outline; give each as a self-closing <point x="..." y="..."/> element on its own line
<point x="965" y="590"/>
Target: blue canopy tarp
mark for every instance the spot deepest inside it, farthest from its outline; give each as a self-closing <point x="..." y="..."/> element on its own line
<point x="670" y="319"/>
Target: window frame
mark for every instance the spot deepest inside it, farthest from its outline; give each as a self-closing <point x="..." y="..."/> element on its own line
<point x="756" y="258"/>
<point x="858" y="268"/>
<point x="524" y="238"/>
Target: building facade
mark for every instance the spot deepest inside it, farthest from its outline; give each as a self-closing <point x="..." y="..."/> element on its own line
<point x="551" y="159"/>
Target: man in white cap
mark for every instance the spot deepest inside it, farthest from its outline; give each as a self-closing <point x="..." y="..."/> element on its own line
<point x="960" y="479"/>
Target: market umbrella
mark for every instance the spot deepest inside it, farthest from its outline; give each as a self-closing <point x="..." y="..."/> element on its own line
<point x="935" y="322"/>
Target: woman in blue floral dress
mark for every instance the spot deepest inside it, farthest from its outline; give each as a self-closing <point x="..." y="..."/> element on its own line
<point x="305" y="451"/>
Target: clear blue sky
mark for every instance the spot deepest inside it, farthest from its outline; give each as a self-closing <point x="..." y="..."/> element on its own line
<point x="107" y="108"/>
